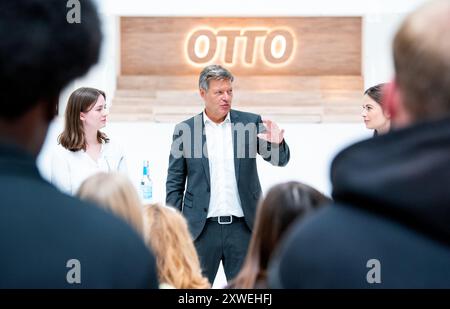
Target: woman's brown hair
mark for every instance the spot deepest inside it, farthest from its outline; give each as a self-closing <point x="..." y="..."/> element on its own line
<point x="168" y="236"/>
<point x="376" y="93"/>
<point x="81" y="100"/>
<point x="283" y="204"/>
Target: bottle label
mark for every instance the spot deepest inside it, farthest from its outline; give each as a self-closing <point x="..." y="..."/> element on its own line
<point x="147" y="192"/>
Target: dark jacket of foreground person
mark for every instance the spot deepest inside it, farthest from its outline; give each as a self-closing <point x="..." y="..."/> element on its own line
<point x="392" y="204"/>
<point x="42" y="230"/>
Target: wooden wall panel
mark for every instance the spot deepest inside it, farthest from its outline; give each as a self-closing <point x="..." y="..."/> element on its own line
<point x="324" y="45"/>
<point x="321" y="82"/>
<point x="283" y="98"/>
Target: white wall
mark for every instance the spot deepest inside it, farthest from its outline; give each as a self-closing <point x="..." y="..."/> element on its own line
<point x="256" y="7"/>
<point x="103" y="74"/>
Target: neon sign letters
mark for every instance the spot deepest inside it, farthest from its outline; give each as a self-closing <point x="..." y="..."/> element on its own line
<point x="274" y="47"/>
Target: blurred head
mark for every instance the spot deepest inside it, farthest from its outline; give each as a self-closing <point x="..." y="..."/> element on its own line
<point x="375" y="117"/>
<point x="168" y="236"/>
<point x="283" y="204"/>
<point x="40" y="53"/>
<point x="85" y="110"/>
<point x="216" y="89"/>
<point x="422" y="65"/>
<point x="116" y="194"/>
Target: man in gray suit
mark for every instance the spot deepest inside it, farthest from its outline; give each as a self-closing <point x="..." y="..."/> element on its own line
<point x="215" y="151"/>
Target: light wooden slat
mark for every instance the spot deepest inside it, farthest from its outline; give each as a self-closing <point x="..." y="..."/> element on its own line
<point x="330" y="104"/>
<point x="324" y="45"/>
<point x="256" y="82"/>
<point x="322" y="83"/>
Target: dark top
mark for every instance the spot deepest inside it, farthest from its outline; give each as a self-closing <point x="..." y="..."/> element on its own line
<point x="41" y="230"/>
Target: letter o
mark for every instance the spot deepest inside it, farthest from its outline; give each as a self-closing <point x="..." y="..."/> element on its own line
<point x="288" y="48"/>
<point x="211" y="50"/>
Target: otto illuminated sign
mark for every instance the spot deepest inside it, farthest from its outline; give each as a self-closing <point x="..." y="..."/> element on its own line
<point x="275" y="47"/>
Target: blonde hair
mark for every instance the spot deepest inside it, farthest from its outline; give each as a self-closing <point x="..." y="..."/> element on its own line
<point x="115" y="193"/>
<point x="168" y="236"/>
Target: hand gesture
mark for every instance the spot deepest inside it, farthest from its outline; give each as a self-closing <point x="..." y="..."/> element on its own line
<point x="273" y="134"/>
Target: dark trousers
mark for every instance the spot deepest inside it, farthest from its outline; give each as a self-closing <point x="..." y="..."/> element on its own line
<point x="226" y="242"/>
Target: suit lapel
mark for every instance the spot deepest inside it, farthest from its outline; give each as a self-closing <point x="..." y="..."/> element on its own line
<point x="205" y="160"/>
<point x="234" y="118"/>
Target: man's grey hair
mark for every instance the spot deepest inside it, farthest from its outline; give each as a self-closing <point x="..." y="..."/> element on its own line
<point x="215" y="72"/>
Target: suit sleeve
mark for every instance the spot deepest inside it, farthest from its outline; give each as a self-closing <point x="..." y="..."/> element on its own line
<point x="277" y="155"/>
<point x="177" y="172"/>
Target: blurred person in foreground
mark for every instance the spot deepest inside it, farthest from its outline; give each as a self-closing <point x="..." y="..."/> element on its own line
<point x="48" y="239"/>
<point x="167" y="233"/>
<point x="390" y="224"/>
<point x="284" y="204"/>
<point x="115" y="193"/>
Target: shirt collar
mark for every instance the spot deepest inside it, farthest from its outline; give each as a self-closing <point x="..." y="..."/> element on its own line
<point x="206" y="119"/>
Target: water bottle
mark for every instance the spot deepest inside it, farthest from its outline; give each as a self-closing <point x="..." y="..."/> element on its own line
<point x="146" y="185"/>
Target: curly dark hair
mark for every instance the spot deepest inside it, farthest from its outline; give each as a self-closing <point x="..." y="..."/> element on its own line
<point x="41" y="52"/>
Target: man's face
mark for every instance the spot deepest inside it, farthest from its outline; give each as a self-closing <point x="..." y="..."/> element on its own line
<point x="218" y="99"/>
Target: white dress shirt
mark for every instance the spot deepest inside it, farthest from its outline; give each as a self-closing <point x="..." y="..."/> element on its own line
<point x="70" y="169"/>
<point x="225" y="199"/>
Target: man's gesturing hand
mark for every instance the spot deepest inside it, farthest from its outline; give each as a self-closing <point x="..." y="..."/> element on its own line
<point x="273" y="133"/>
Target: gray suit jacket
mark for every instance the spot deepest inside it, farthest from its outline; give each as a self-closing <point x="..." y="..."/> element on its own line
<point x="188" y="161"/>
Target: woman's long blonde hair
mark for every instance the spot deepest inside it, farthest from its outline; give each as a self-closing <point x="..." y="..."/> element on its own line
<point x="167" y="234"/>
<point x="115" y="193"/>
